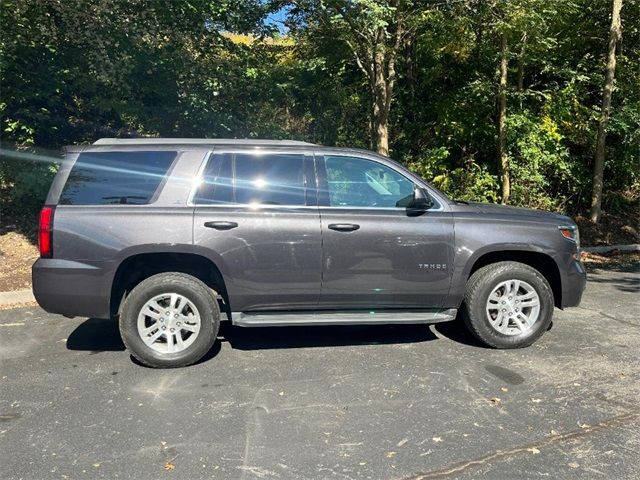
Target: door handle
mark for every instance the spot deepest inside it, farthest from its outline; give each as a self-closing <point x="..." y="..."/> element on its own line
<point x="344" y="227"/>
<point x="221" y="225"/>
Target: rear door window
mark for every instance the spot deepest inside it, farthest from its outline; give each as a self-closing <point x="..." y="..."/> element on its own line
<point x="116" y="178"/>
<point x="253" y="179"/>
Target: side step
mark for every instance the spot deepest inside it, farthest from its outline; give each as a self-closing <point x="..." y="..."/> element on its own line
<point x="341" y="317"/>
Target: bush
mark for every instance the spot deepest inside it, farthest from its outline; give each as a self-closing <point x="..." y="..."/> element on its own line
<point x="24" y="185"/>
<point x="471" y="182"/>
<point x="542" y="175"/>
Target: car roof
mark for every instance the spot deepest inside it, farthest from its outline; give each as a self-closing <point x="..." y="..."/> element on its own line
<point x="200" y="141"/>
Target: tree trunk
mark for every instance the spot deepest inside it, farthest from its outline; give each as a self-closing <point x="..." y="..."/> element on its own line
<point x="381" y="92"/>
<point x="523" y="48"/>
<point x="502" y="118"/>
<point x="615" y="34"/>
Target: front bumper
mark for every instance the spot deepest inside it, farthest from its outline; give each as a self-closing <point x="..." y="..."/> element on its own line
<point x="573" y="283"/>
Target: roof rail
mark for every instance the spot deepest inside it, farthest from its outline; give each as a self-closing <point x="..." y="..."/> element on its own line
<point x="199" y="141"/>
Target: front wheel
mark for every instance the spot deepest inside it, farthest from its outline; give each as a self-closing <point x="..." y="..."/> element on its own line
<point x="169" y="320"/>
<point x="507" y="305"/>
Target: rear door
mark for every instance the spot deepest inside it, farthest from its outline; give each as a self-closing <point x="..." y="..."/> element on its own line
<point x="376" y="253"/>
<point x="256" y="213"/>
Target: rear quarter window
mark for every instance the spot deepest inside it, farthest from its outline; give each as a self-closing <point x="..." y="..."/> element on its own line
<point x="116" y="178"/>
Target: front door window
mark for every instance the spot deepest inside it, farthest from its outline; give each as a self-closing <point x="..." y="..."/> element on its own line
<point x="358" y="182"/>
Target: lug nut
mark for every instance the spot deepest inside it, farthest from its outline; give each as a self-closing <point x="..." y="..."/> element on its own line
<point x="163" y="327"/>
<point x="176" y="315"/>
<point x="161" y="319"/>
<point x="178" y="324"/>
<point x="172" y="329"/>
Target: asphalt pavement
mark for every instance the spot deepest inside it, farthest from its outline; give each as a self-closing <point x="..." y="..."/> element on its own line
<point x="393" y="402"/>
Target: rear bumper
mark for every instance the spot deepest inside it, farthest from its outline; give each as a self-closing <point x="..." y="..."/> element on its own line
<point x="573" y="284"/>
<point x="72" y="288"/>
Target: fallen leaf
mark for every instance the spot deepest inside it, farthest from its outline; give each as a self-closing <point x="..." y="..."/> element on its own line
<point x="536" y="400"/>
<point x="169" y="466"/>
<point x="573" y="465"/>
<point x="437" y="439"/>
<point x="391" y="454"/>
<point x="495" y="400"/>
<point x="533" y="450"/>
<point x="504" y="389"/>
<point x="584" y="425"/>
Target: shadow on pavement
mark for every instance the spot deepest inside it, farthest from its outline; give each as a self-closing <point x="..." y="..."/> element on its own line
<point x="624" y="283"/>
<point x="243" y="338"/>
<point x="457" y="332"/>
<point x="96" y="335"/>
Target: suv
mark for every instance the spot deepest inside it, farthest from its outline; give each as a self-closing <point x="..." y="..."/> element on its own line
<point x="171" y="236"/>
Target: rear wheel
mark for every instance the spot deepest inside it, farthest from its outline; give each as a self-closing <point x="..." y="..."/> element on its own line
<point x="508" y="305"/>
<point x="170" y="320"/>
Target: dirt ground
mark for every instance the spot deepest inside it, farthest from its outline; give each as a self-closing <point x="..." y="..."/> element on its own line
<point x="17" y="254"/>
<point x="612" y="230"/>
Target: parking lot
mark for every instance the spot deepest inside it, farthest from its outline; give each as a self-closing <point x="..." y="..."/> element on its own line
<point x="392" y="402"/>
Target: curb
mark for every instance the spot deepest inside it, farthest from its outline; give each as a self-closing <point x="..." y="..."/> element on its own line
<point x="634" y="247"/>
<point x="15" y="297"/>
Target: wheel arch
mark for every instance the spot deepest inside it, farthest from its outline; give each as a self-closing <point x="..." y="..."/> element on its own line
<point x="541" y="261"/>
<point x="136" y="267"/>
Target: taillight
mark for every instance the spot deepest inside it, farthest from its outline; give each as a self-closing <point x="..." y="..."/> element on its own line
<point x="45" y="232"/>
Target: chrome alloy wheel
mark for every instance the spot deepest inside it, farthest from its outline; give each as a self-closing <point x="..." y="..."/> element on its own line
<point x="513" y="307"/>
<point x="169" y="323"/>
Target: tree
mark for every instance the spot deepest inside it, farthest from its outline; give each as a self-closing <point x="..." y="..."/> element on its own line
<point x="374" y="31"/>
<point x="505" y="181"/>
<point x="615" y="35"/>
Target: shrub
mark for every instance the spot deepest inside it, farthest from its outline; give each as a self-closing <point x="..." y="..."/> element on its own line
<point x="471" y="182"/>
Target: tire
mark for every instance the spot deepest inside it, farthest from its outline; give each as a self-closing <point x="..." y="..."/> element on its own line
<point x="496" y="280"/>
<point x="193" y="300"/>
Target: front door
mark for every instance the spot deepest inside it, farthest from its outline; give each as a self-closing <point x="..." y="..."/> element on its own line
<point x="376" y="253"/>
<point x="257" y="218"/>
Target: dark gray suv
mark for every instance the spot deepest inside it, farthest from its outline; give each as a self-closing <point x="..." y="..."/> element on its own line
<point x="171" y="236"/>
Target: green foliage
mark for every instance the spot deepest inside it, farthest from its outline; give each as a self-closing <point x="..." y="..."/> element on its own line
<point x="144" y="67"/>
<point x="470" y="182"/>
<point x="24" y="184"/>
<point x="542" y="175"/>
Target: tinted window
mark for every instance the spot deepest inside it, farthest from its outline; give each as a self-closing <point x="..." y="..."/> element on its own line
<point x="109" y="178"/>
<point x="264" y="179"/>
<point x="357" y="182"/>
<point x="217" y="185"/>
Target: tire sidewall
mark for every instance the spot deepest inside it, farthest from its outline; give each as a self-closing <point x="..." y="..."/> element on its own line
<point x="209" y="317"/>
<point x="478" y="308"/>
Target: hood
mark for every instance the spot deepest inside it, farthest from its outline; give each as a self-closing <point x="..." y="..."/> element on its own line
<point x="493" y="209"/>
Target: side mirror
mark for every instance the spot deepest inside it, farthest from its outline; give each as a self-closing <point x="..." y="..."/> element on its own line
<point x="421" y="201"/>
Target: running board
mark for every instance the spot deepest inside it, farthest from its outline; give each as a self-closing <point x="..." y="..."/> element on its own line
<point x="341" y="317"/>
